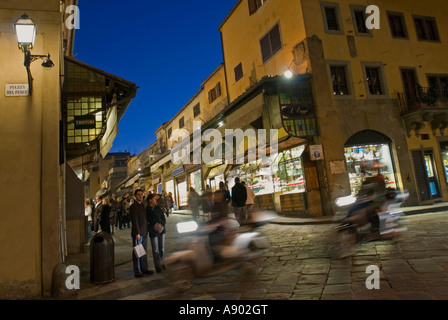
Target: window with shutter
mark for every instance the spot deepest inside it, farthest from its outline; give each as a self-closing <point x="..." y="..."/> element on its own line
<point x="271" y="43"/>
<point x="238" y="72"/>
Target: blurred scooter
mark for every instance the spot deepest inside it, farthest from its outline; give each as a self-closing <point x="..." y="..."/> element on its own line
<point x="205" y="257"/>
<point x="355" y="227"/>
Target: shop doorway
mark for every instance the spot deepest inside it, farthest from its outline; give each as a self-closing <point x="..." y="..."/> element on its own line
<point x="426" y="174"/>
<point x="368" y="153"/>
<point x="444" y="154"/>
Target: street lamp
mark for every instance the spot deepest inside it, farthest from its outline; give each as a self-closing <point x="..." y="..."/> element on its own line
<point x="26" y="34"/>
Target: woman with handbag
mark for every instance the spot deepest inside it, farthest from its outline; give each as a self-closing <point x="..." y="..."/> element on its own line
<point x="156" y="227"/>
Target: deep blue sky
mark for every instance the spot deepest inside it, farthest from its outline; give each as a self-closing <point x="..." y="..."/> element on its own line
<point x="166" y="47"/>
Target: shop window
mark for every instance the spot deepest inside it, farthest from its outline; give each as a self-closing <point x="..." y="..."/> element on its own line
<point x="282" y="174"/>
<point x="426" y="28"/>
<point x="331" y="17"/>
<point x="397" y="25"/>
<point x="271" y="43"/>
<point x="368" y="160"/>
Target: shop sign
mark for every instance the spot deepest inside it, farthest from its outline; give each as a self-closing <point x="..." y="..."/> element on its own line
<point x="316" y="152"/>
<point x="297" y="108"/>
<point x="17" y="90"/>
<point x="177" y="171"/>
<point x="85" y="122"/>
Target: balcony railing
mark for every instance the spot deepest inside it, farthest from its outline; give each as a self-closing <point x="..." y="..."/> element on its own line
<point x="423" y="98"/>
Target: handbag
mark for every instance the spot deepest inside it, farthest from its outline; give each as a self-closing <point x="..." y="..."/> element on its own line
<point x="158" y="227"/>
<point x="139" y="250"/>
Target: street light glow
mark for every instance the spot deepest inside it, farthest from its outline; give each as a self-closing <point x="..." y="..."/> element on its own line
<point x="288" y="74"/>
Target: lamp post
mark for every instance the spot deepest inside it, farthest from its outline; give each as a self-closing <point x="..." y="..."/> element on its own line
<point x="26" y="34"/>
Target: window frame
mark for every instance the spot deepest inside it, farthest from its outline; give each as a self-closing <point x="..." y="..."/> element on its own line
<point x="272" y="51"/>
<point x="254" y="5"/>
<point x="333" y="5"/>
<point x="425" y="19"/>
<point x="403" y="21"/>
<point x="198" y="106"/>
<point x="181" y="123"/>
<point x="348" y="77"/>
<point x="354" y="8"/>
<point x="238" y="70"/>
<point x="382" y="78"/>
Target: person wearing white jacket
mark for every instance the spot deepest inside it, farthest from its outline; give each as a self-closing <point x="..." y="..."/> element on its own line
<point x="249" y="207"/>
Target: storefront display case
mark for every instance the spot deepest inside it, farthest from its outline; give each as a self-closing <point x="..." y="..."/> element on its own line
<point x="367" y="161"/>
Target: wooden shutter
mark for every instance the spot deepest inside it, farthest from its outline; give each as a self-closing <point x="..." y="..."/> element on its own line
<point x="420" y="175"/>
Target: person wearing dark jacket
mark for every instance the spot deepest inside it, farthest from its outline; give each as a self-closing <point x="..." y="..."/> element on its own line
<point x="155" y="215"/>
<point x="104" y="217"/>
<point x="139" y="234"/>
<point x="239" y="197"/>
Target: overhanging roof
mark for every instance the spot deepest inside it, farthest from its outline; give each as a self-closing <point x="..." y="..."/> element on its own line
<point x="113" y="94"/>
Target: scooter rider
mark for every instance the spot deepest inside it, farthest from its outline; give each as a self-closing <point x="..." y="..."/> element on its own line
<point x="370" y="198"/>
<point x="220" y="219"/>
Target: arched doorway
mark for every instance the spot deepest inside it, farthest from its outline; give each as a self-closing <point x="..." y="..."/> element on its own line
<point x="366" y="153"/>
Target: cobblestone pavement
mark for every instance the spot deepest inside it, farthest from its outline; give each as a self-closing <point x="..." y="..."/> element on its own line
<point x="302" y="264"/>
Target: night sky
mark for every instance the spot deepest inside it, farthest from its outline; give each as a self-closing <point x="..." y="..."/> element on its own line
<point x="168" y="48"/>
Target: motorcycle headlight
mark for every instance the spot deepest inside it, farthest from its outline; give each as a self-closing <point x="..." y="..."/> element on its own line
<point x="185" y="227"/>
<point x="345" y="201"/>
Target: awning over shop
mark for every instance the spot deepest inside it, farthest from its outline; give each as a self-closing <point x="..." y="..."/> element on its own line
<point x="131" y="181"/>
<point x="213" y="172"/>
<point x="248" y="113"/>
<point x="160" y="163"/>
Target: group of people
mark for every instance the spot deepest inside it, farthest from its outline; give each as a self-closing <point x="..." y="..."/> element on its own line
<point x="107" y="213"/>
<point x="139" y="213"/>
<point x="144" y="215"/>
<point x="241" y="199"/>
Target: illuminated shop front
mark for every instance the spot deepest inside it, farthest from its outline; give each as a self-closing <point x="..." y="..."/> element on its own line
<point x="270" y="180"/>
<point x="366" y="160"/>
<point x="181" y="187"/>
<point x="196" y="180"/>
<point x="215" y="176"/>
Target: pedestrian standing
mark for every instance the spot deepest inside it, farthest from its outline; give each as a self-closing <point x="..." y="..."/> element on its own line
<point x="156" y="221"/>
<point x="162" y="202"/>
<point x="221" y="200"/>
<point x="96" y="213"/>
<point x="193" y="202"/>
<point x="104" y="218"/>
<point x="126" y="204"/>
<point x="113" y="212"/>
<point x="249" y="208"/>
<point x="139" y="233"/>
<point x="88" y="214"/>
<point x="119" y="219"/>
<point x="239" y="197"/>
<point x="170" y="202"/>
